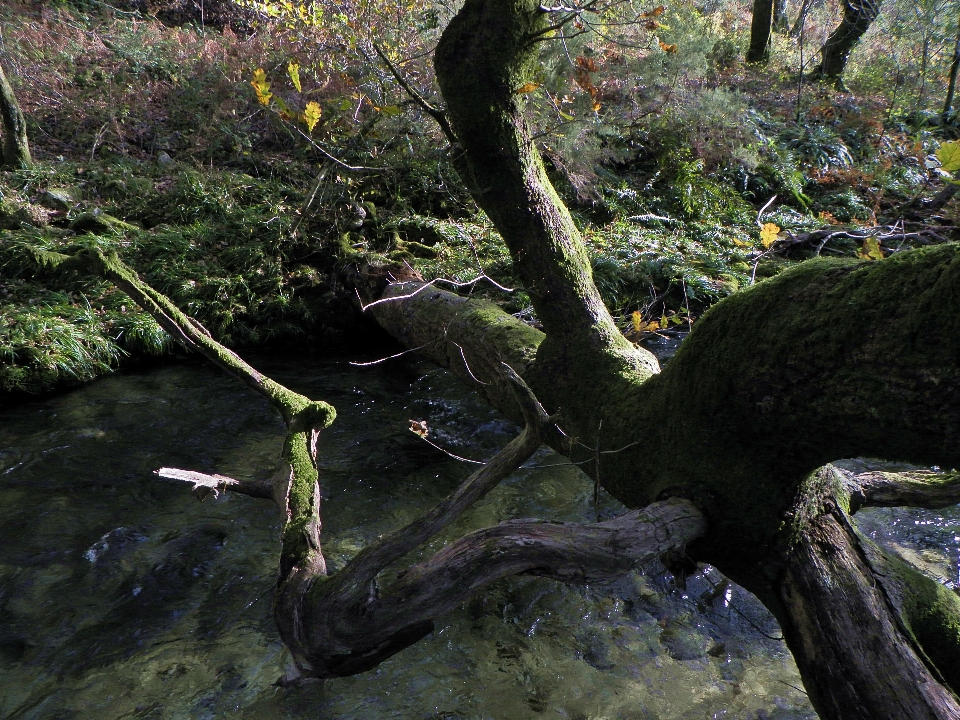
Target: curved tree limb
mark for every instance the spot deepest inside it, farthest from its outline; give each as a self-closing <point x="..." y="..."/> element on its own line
<point x="346" y="629"/>
<point x="343" y="623"/>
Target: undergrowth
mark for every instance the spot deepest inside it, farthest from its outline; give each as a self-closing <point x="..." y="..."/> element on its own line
<point x="151" y="141"/>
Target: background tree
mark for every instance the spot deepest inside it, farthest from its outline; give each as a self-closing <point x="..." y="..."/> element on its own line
<point x="16" y="149"/>
<point x="781" y="20"/>
<point x="858" y="16"/>
<point x="952" y="76"/>
<point x="760" y="26"/>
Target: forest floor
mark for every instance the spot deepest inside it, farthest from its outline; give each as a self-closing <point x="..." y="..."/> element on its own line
<point x="150" y="141"/>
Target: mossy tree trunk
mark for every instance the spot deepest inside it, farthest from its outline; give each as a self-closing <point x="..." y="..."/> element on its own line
<point x="858" y="16"/>
<point x="760" y="26"/>
<point x="15" y="148"/>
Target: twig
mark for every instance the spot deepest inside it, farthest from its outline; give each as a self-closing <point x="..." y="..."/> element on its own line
<point x="391" y="357"/>
<point x="432" y="111"/>
<point x="763" y="210"/>
<point x="423" y="287"/>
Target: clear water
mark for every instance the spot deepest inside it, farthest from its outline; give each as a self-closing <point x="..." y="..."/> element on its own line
<point x="121" y="596"/>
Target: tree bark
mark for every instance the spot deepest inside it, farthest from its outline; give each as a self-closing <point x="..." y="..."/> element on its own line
<point x="858" y="16"/>
<point x="841" y="614"/>
<point x="16" y="150"/>
<point x="759" y="50"/>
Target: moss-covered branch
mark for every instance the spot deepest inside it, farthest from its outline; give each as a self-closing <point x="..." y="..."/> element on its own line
<point x="294" y="487"/>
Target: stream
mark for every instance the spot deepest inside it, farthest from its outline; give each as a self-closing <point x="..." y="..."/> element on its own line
<point x="122" y="596"/>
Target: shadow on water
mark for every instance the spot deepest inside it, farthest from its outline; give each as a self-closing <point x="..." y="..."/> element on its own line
<point x="123" y="597"/>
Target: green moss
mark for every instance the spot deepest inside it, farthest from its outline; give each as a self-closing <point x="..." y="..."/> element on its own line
<point x="932" y="613"/>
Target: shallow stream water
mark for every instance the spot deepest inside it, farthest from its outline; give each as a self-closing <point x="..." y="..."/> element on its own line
<point x="122" y="596"/>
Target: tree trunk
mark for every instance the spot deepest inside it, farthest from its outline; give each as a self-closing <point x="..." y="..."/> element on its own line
<point x="755" y="371"/>
<point x="952" y="82"/>
<point x="805" y="7"/>
<point x="763" y="12"/>
<point x="858" y="15"/>
<point x="16" y="150"/>
<point x="781" y="22"/>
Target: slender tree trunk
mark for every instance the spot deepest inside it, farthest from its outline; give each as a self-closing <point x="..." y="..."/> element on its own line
<point x="781" y="21"/>
<point x="763" y="12"/>
<point x="952" y="82"/>
<point x="858" y="16"/>
<point x="801" y="20"/>
<point x="16" y="150"/>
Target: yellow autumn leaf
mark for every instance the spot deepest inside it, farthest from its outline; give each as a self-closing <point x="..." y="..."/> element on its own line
<point x="261" y="85"/>
<point x="769" y="233"/>
<point x="527" y="88"/>
<point x="637" y="320"/>
<point x="668" y="48"/>
<point x="595" y="107"/>
<point x="293" y="70"/>
<point x="311" y="115"/>
<point x="870" y="250"/>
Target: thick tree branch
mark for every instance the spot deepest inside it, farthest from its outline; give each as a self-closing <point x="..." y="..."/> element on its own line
<point x="294" y="487"/>
<point x="347" y="633"/>
<point x="915" y="488"/>
<point x="300" y="413"/>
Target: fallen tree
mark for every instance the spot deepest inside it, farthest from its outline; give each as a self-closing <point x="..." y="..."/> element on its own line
<point x="832" y="359"/>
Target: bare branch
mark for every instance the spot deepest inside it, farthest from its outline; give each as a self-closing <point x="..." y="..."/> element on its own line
<point x="204" y="485"/>
<point x="436" y="113"/>
<point x="343" y="634"/>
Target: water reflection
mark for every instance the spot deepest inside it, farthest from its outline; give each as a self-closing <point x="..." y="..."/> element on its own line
<point x="123" y="596"/>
